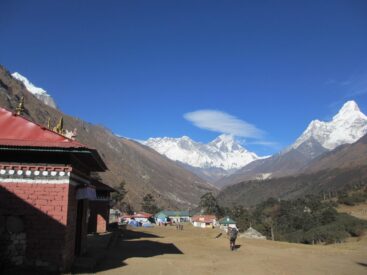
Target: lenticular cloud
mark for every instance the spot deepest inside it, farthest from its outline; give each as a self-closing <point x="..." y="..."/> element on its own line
<point x="222" y="122"/>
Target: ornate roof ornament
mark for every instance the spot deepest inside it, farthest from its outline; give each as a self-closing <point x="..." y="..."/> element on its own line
<point x="48" y="123"/>
<point x="20" y="109"/>
<point x="59" y="128"/>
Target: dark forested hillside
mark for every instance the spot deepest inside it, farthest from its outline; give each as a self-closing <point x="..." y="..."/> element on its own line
<point x="253" y="192"/>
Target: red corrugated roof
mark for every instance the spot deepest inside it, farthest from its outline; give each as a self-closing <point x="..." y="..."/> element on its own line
<point x="18" y="131"/>
<point x="204" y="218"/>
<point x="142" y="215"/>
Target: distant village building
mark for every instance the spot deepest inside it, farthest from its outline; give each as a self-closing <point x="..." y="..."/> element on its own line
<point x="204" y="221"/>
<point x="125" y="217"/>
<point x="161" y="218"/>
<point x="142" y="217"/>
<point x="45" y="187"/>
<point x="226" y="222"/>
<point x="173" y="216"/>
<point x="139" y="219"/>
<point x="99" y="208"/>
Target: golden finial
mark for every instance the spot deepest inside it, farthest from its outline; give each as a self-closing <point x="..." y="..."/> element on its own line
<point x="59" y="128"/>
<point x="49" y="123"/>
<point x="20" y="109"/>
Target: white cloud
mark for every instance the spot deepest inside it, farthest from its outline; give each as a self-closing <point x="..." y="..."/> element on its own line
<point x="218" y="121"/>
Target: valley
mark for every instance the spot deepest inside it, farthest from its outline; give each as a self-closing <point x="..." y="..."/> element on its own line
<point x="183" y="137"/>
<point x="177" y="171"/>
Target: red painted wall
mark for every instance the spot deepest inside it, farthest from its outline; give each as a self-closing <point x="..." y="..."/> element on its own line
<point x="99" y="216"/>
<point x="49" y="215"/>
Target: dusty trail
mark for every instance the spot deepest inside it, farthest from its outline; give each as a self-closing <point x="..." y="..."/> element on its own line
<point x="196" y="251"/>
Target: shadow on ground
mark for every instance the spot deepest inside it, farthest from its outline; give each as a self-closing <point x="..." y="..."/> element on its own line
<point x="362" y="264"/>
<point x="26" y="271"/>
<point x="129" y="245"/>
<point x="130" y="235"/>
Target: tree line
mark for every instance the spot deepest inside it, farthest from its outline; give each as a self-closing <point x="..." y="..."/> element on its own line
<point x="148" y="203"/>
<point x="308" y="220"/>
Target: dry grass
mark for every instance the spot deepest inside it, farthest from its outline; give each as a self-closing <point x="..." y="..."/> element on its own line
<point x="359" y="211"/>
<point x="163" y="250"/>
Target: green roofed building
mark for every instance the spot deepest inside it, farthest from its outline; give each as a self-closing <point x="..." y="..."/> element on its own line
<point x="226" y="222"/>
<point x="174" y="216"/>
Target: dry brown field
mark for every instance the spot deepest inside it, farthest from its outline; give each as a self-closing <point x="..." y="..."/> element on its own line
<point x="164" y="250"/>
<point x="359" y="211"/>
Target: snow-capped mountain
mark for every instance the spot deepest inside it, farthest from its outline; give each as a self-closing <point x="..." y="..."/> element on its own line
<point x="40" y="93"/>
<point x="347" y="126"/>
<point x="223" y="152"/>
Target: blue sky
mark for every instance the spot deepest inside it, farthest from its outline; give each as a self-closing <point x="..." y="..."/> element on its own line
<point x="260" y="69"/>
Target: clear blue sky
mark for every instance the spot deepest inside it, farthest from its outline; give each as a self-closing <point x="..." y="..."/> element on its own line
<point x="138" y="67"/>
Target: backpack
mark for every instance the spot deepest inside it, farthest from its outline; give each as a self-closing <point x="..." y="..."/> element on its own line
<point x="233" y="233"/>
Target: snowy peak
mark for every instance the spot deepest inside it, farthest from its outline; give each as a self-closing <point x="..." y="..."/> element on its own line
<point x="223" y="152"/>
<point x="38" y="92"/>
<point x="349" y="110"/>
<point x="33" y="89"/>
<point x="347" y="126"/>
<point x="226" y="143"/>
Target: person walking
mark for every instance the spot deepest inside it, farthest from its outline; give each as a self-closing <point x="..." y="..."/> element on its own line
<point x="232" y="233"/>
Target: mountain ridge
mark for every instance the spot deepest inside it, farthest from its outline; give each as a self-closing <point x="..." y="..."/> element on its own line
<point x="223" y="152"/>
<point x="345" y="166"/>
<point x="143" y="169"/>
<point x="346" y="127"/>
<point x="211" y="161"/>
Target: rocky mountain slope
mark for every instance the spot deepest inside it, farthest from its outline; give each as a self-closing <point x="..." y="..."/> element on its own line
<point x="345" y="156"/>
<point x="253" y="192"/>
<point x="344" y="166"/>
<point x="143" y="169"/>
<point x="346" y="127"/>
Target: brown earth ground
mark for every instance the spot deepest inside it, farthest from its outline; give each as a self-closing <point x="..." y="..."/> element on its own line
<point x="164" y="250"/>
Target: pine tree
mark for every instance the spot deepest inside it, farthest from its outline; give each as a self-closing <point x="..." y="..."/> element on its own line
<point x="119" y="196"/>
<point x="149" y="205"/>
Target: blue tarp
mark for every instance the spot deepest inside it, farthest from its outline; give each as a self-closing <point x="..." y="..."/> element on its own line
<point x="134" y="223"/>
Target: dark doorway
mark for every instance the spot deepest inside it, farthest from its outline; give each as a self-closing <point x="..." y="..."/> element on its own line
<point x="79" y="227"/>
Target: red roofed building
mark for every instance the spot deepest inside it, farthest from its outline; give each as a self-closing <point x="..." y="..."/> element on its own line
<point x="204" y="221"/>
<point x="45" y="186"/>
<point x="142" y="215"/>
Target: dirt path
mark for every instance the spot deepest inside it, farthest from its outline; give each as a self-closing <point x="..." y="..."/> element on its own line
<point x="196" y="251"/>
